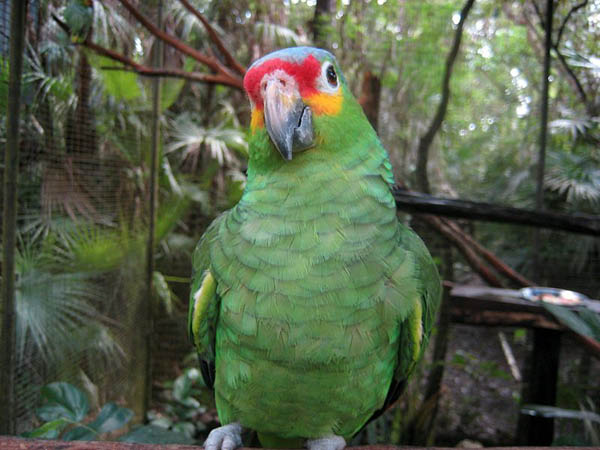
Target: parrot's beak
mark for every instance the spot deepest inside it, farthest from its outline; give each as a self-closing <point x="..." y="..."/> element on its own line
<point x="287" y="119"/>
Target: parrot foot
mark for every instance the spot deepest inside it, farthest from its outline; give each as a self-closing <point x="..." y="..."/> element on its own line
<point x="227" y="437"/>
<point x="326" y="443"/>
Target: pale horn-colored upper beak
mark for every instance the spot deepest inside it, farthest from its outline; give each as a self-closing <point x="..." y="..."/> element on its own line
<point x="287" y="119"/>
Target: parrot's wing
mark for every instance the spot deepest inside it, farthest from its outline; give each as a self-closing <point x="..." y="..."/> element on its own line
<point x="416" y="326"/>
<point x="204" y="304"/>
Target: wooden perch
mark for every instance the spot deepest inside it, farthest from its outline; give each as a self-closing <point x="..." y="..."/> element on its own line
<point x="422" y="203"/>
<point x="14" y="443"/>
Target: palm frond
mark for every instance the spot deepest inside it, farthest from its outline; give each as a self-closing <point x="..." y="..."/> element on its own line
<point x="278" y="34"/>
<point x="576" y="176"/>
<point x="192" y="139"/>
<point x="51" y="307"/>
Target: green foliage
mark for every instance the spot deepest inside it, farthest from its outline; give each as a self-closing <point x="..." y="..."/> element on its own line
<point x="476" y="368"/>
<point x="78" y="16"/>
<point x="52" y="306"/>
<point x="180" y="409"/>
<point x="65" y="413"/>
<point x="121" y="84"/>
<point x="581" y="321"/>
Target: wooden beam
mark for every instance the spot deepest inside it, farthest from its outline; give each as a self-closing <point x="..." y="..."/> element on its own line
<point x="464" y="209"/>
<point x="14" y="443"/>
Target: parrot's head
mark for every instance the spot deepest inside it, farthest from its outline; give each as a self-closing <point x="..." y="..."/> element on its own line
<point x="295" y="94"/>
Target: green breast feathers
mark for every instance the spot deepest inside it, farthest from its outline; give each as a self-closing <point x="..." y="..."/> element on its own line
<point x="310" y="302"/>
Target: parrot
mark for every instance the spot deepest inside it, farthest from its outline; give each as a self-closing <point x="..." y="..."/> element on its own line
<point x="310" y="302"/>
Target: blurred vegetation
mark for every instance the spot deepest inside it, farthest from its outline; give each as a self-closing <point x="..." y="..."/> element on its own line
<point x="81" y="250"/>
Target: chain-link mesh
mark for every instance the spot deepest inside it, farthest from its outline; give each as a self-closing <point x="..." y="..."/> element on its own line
<point x="83" y="189"/>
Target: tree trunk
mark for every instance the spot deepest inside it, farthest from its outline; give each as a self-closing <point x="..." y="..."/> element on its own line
<point x="321" y="22"/>
<point x="369" y="97"/>
<point x="427" y="139"/>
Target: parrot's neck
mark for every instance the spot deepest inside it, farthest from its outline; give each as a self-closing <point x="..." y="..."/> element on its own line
<point x="333" y="174"/>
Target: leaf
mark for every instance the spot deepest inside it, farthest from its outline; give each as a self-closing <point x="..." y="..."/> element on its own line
<point x="570" y="319"/>
<point x="559" y="413"/>
<point x="182" y="388"/>
<point x="81" y="433"/>
<point x="121" y="84"/>
<point x="185" y="428"/>
<point x="49" y="430"/>
<point x="63" y="400"/>
<point x="150" y="434"/>
<point x="163" y="292"/>
<point x="111" y="418"/>
<point x="162" y="422"/>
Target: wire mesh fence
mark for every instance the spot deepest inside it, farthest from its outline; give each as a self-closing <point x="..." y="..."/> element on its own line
<point x="81" y="289"/>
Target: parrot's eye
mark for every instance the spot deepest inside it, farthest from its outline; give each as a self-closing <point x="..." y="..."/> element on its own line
<point x="329" y="80"/>
<point x="331" y="76"/>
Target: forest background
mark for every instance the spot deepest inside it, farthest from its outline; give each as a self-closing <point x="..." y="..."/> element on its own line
<point x="134" y="131"/>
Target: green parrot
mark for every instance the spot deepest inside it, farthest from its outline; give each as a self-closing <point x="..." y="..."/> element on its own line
<point x="310" y="302"/>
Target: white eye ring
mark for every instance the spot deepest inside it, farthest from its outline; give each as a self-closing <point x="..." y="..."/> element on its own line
<point x="329" y="80"/>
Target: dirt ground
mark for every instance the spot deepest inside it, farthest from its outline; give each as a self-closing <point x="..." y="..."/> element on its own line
<point x="481" y="397"/>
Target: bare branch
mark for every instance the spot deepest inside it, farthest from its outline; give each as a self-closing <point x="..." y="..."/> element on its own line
<point x="464" y="248"/>
<point x="159" y="72"/>
<point x="426" y="140"/>
<point x="496" y="263"/>
<point x="539" y="14"/>
<point x="141" y="69"/>
<point x="211" y="62"/>
<point x="231" y="61"/>
<point x="566" y="19"/>
<point x="575" y="81"/>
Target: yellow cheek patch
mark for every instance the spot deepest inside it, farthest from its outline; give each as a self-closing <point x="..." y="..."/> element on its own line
<point x="330" y="104"/>
<point x="257" y="120"/>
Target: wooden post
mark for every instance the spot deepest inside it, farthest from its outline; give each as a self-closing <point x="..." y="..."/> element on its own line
<point x="9" y="219"/>
<point x="156" y="94"/>
<point x="546" y="343"/>
<point x="541" y="389"/>
<point x="541" y="162"/>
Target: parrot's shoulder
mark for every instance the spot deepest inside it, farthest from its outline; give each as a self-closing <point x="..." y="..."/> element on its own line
<point x="201" y="255"/>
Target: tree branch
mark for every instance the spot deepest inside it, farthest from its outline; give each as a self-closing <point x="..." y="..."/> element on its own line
<point x="472" y="258"/>
<point x="231" y="61"/>
<point x="496" y="263"/>
<point x="214" y="64"/>
<point x="564" y="67"/>
<point x="151" y="71"/>
<point x="566" y="19"/>
<point x="574" y="79"/>
<point x="426" y="140"/>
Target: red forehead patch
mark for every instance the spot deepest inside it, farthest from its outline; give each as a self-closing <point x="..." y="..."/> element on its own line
<point x="305" y="75"/>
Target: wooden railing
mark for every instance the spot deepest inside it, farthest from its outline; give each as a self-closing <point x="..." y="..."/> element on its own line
<point x="14" y="443"/>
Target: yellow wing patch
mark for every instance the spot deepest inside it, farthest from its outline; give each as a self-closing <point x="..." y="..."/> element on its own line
<point x="202" y="299"/>
<point x="415" y="324"/>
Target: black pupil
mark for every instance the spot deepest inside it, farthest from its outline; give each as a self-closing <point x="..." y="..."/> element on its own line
<point x="331" y="75"/>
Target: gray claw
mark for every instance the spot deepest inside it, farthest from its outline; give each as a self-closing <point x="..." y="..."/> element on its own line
<point x="227" y="437"/>
<point x="326" y="443"/>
